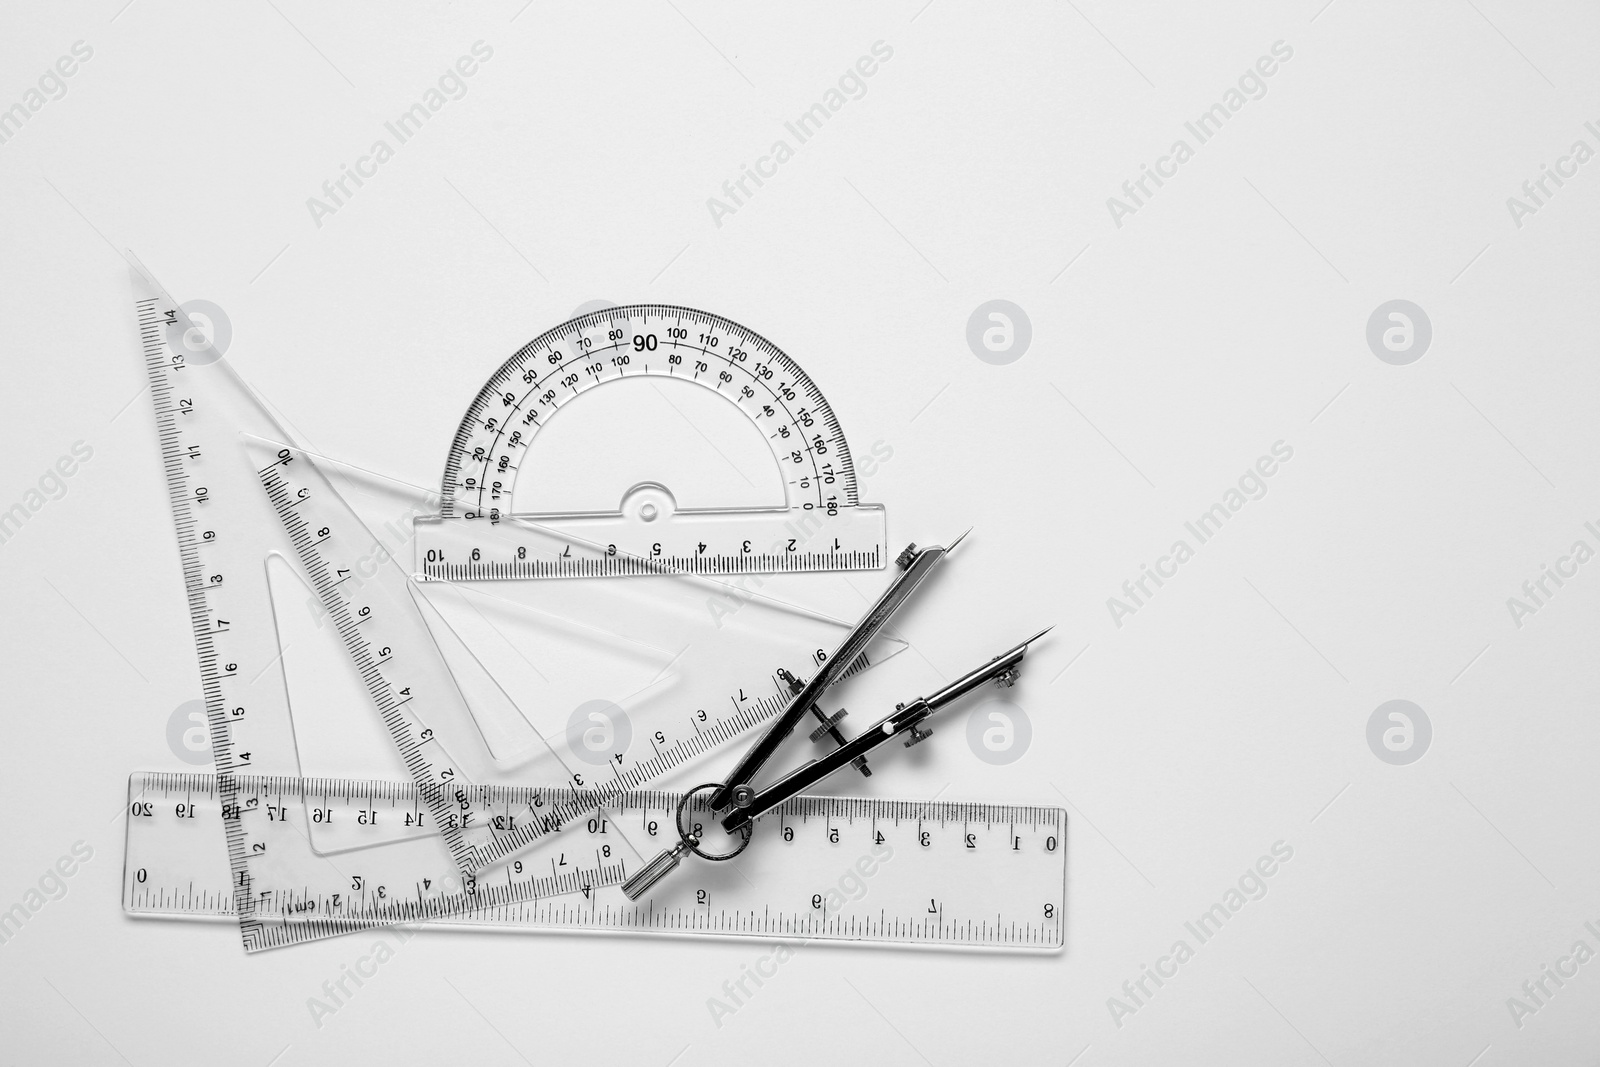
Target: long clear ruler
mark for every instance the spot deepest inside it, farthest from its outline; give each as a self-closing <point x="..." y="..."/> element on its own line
<point x="828" y="868"/>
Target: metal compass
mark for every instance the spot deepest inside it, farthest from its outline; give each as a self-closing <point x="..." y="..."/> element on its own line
<point x="741" y="802"/>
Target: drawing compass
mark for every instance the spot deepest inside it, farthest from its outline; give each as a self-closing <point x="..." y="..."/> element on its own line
<point x="741" y="802"/>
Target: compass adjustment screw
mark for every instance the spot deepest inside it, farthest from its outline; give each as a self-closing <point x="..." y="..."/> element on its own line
<point x="828" y="722"/>
<point x="903" y="560"/>
<point x="794" y="684"/>
<point x="829" y="727"/>
<point x="1007" y="678"/>
<point x="918" y="735"/>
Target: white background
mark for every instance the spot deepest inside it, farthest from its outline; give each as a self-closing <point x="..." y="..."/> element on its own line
<point x="1168" y="353"/>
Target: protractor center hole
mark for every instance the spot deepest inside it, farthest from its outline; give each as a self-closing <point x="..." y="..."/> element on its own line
<point x="648" y="502"/>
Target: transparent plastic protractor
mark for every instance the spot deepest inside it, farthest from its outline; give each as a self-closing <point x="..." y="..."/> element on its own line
<point x="653" y="437"/>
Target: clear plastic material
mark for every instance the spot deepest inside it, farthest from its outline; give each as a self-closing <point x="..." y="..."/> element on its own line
<point x="869" y="871"/>
<point x="509" y="711"/>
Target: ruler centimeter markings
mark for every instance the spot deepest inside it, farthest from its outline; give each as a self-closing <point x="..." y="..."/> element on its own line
<point x="831" y="868"/>
<point x="174" y="453"/>
<point x="381" y="864"/>
<point x="620" y="566"/>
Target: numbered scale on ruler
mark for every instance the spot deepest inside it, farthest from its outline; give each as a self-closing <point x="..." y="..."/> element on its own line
<point x="174" y="867"/>
<point x="929" y="873"/>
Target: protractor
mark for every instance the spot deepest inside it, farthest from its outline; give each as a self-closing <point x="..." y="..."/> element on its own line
<point x="649" y="439"/>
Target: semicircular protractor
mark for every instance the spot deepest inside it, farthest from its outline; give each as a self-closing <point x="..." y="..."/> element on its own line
<point x="620" y="443"/>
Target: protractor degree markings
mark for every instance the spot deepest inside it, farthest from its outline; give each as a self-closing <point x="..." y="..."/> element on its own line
<point x="762" y="348"/>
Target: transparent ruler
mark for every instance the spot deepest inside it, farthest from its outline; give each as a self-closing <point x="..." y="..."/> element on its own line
<point x="829" y="868"/>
